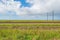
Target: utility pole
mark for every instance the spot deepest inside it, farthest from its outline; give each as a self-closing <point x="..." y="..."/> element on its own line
<point x="53" y="15"/>
<point x="47" y="16"/>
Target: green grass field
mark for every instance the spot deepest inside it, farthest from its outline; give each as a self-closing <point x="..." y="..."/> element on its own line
<point x="13" y="30"/>
<point x="29" y="21"/>
<point x="9" y="34"/>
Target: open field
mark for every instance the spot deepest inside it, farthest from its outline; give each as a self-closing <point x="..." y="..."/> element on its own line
<point x="10" y="34"/>
<point x="28" y="26"/>
<point x="29" y="30"/>
<point x="29" y="21"/>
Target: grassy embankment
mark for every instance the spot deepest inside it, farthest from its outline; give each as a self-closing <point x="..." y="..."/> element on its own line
<point x="29" y="21"/>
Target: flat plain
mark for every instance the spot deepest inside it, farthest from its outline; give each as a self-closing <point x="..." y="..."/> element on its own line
<point x="29" y="30"/>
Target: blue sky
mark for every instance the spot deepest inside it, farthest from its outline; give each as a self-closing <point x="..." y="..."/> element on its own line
<point x="29" y="9"/>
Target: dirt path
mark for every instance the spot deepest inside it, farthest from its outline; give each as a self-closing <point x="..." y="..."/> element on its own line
<point x="32" y="28"/>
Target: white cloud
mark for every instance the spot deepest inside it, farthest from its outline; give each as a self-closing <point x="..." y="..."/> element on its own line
<point x="9" y="5"/>
<point x="38" y="6"/>
<point x="43" y="6"/>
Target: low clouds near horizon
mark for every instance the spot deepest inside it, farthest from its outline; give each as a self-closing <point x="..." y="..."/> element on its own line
<point x="31" y="7"/>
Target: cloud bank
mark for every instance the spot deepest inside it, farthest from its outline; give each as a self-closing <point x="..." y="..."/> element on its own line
<point x="37" y="7"/>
